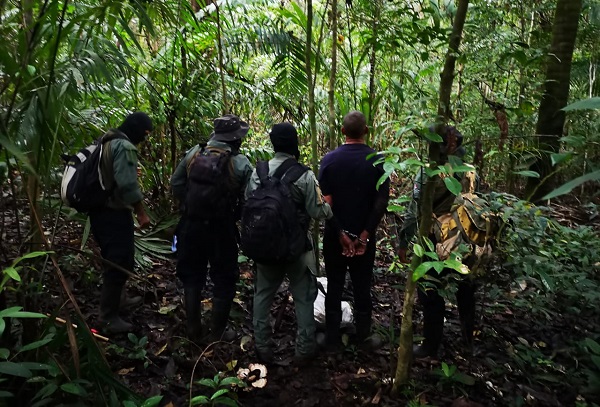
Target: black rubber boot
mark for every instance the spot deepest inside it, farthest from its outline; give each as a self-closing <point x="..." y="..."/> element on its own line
<point x="332" y="331"/>
<point x="218" y="323"/>
<point x="265" y="357"/>
<point x="193" y="312"/>
<point x="433" y="324"/>
<point x="465" y="298"/>
<point x="362" y="321"/>
<point x="433" y="331"/>
<point x="364" y="338"/>
<point x="110" y="301"/>
<point x="127" y="301"/>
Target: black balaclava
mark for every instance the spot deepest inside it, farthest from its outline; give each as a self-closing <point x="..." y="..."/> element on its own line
<point x="235" y="146"/>
<point x="135" y="126"/>
<point x="284" y="138"/>
<point x="459" y="150"/>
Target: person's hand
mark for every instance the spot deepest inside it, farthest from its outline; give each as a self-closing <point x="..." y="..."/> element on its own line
<point x="361" y="243"/>
<point x="143" y="220"/>
<point x="402" y="254"/>
<point x="347" y="243"/>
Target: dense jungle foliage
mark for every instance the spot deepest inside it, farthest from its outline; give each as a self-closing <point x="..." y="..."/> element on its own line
<point x="70" y="70"/>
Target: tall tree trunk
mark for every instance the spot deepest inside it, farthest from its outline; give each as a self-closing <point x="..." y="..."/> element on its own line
<point x="311" y="87"/>
<point x="196" y="5"/>
<point x="32" y="180"/>
<point x="353" y="72"/>
<point x="373" y="65"/>
<point x="332" y="76"/>
<point x="221" y="64"/>
<point x="551" y="119"/>
<point x="311" y="109"/>
<point x="171" y="117"/>
<point x="526" y="27"/>
<point x="426" y="209"/>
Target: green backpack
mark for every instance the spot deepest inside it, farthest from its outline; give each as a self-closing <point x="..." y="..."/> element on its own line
<point x="472" y="223"/>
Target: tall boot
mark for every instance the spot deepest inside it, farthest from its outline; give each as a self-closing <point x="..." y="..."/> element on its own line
<point x="193" y="312"/>
<point x="333" y="320"/>
<point x="127" y="301"/>
<point x="433" y="331"/>
<point x="363" y="325"/>
<point x="218" y="323"/>
<point x="110" y="301"/>
<point x="433" y="324"/>
<point x="364" y="338"/>
<point x="465" y="299"/>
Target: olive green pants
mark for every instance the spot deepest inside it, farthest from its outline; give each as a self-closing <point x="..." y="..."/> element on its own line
<point x="304" y="291"/>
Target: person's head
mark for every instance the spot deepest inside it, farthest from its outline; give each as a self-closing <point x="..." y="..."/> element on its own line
<point x="451" y="142"/>
<point x="354" y="125"/>
<point x="229" y="129"/>
<point x="284" y="138"/>
<point x="136" y="127"/>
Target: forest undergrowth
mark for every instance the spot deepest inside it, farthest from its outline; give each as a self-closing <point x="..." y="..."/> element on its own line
<point x="537" y="340"/>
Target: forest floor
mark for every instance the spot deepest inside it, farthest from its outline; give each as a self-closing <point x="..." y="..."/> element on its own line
<point x="489" y="375"/>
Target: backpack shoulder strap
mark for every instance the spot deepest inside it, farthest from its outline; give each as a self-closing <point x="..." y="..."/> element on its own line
<point x="193" y="157"/>
<point x="112" y="135"/>
<point x="293" y="173"/>
<point x="262" y="170"/>
<point x="282" y="171"/>
<point x="218" y="150"/>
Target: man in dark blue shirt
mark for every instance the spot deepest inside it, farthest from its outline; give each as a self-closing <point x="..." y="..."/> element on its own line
<point x="348" y="178"/>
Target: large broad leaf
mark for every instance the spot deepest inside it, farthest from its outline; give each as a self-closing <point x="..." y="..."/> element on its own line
<point x="31" y="256"/>
<point x="152" y="401"/>
<point x="530" y="174"/>
<point x="37" y="344"/>
<point x="568" y="187"/>
<point x="592" y="345"/>
<point x="219" y="393"/>
<point x="12" y="273"/>
<point x="592" y="103"/>
<point x="453" y="185"/>
<point x="15" y="312"/>
<point x="19" y="154"/>
<point x="432" y="136"/>
<point x="558" y="158"/>
<point x="199" y="400"/>
<point x="425" y="267"/>
<point x="73" y="388"/>
<point x="14" y="369"/>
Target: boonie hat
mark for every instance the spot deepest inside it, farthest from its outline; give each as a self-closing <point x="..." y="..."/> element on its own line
<point x="229" y="128"/>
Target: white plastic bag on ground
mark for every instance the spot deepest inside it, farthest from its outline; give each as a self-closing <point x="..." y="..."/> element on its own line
<point x="347" y="316"/>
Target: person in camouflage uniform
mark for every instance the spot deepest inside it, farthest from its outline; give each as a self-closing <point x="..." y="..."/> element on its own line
<point x="206" y="240"/>
<point x="431" y="300"/>
<point x="112" y="225"/>
<point x="307" y="195"/>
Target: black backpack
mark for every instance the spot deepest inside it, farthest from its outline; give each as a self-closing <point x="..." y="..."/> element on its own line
<point x="210" y="193"/>
<point x="82" y="186"/>
<point x="271" y="229"/>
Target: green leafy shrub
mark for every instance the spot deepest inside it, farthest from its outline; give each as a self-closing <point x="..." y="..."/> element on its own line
<point x="63" y="366"/>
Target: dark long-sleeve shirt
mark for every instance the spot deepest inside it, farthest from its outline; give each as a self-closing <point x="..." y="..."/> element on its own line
<point x="119" y="172"/>
<point x="350" y="178"/>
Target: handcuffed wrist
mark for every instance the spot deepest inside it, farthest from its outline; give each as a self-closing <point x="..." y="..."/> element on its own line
<point x="349" y="234"/>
